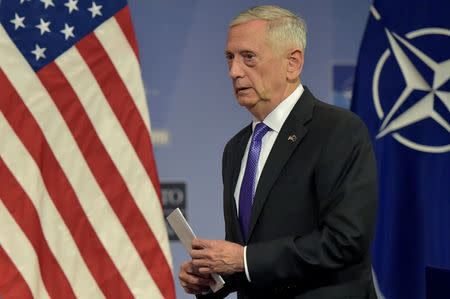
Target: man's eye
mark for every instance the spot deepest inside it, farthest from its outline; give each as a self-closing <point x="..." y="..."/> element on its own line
<point x="229" y="57"/>
<point x="249" y="56"/>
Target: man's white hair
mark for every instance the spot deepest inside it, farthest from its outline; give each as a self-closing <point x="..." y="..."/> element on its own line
<point x="285" y="29"/>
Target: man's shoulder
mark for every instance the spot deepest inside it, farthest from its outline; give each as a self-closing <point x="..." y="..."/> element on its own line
<point x="335" y="115"/>
<point x="337" y="124"/>
<point x="246" y="131"/>
<point x="309" y="107"/>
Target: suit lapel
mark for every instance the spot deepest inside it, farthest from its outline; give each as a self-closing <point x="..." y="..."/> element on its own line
<point x="237" y="160"/>
<point x="290" y="136"/>
<point x="239" y="154"/>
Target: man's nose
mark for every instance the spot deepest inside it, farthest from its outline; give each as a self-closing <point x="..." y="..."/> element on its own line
<point x="236" y="70"/>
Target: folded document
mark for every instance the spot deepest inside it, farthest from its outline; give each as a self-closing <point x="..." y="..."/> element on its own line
<point x="186" y="235"/>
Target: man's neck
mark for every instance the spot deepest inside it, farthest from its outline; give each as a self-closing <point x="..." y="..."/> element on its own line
<point x="262" y="111"/>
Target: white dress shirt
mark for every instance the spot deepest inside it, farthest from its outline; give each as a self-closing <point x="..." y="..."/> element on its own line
<point x="274" y="120"/>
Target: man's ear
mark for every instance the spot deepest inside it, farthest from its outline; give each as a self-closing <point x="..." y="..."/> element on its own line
<point x="295" y="64"/>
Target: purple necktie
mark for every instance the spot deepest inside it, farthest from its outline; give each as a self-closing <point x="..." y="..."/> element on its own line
<point x="248" y="182"/>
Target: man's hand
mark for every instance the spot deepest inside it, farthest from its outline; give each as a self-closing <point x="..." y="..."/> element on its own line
<point x="192" y="281"/>
<point x="217" y="256"/>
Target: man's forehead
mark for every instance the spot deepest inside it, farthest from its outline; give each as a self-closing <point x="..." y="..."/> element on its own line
<point x="250" y="35"/>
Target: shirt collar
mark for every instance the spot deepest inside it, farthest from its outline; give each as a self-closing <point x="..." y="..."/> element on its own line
<point x="275" y="119"/>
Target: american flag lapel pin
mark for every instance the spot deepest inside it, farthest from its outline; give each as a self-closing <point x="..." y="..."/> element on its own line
<point x="292" y="138"/>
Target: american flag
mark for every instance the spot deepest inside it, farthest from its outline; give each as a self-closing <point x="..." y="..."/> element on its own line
<point x="80" y="208"/>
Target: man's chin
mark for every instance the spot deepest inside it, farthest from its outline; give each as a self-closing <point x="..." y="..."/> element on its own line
<point x="246" y="100"/>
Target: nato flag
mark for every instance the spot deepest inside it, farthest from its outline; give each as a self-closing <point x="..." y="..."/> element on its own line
<point x="402" y="92"/>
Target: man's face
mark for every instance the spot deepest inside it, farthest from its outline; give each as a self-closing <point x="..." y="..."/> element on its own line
<point x="258" y="73"/>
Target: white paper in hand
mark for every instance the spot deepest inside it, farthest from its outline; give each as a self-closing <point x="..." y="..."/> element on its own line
<point x="186" y="235"/>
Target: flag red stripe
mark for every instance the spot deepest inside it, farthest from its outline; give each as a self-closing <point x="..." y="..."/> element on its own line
<point x="123" y="17"/>
<point x="98" y="160"/>
<point x="121" y="103"/>
<point x="24" y="213"/>
<point x="62" y="194"/>
<point x="104" y="170"/>
<point x="12" y="284"/>
<point x="94" y="254"/>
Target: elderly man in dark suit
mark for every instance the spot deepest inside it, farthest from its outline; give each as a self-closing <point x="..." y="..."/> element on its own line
<point x="300" y="182"/>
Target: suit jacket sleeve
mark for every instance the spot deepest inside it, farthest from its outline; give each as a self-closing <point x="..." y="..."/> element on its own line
<point x="345" y="185"/>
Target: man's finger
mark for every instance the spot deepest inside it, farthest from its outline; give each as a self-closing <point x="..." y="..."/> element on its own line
<point x="202" y="263"/>
<point x="205" y="271"/>
<point x="195" y="290"/>
<point x="198" y="243"/>
<point x="188" y="267"/>
<point x="199" y="254"/>
<point x="197" y="280"/>
<point x="192" y="269"/>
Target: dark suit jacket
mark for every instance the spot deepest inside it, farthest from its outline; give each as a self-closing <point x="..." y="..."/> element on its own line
<point x="314" y="210"/>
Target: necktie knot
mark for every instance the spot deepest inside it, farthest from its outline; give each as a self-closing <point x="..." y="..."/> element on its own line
<point x="260" y="130"/>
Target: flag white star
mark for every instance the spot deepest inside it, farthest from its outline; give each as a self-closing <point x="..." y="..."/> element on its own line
<point x="39" y="52"/>
<point x="18" y="22"/>
<point x="48" y="3"/>
<point x="95" y="9"/>
<point x="425" y="107"/>
<point x="22" y="1"/>
<point x="43" y="26"/>
<point x="68" y="31"/>
<point x="71" y="5"/>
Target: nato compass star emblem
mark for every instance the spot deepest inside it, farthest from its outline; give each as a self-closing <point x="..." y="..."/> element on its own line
<point x="408" y="109"/>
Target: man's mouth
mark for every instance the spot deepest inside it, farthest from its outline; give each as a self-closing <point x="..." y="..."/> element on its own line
<point x="239" y="89"/>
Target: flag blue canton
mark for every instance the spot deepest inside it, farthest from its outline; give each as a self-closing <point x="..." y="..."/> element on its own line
<point x="402" y="92"/>
<point x="44" y="29"/>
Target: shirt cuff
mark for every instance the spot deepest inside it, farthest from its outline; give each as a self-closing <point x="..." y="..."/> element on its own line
<point x="245" y="265"/>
